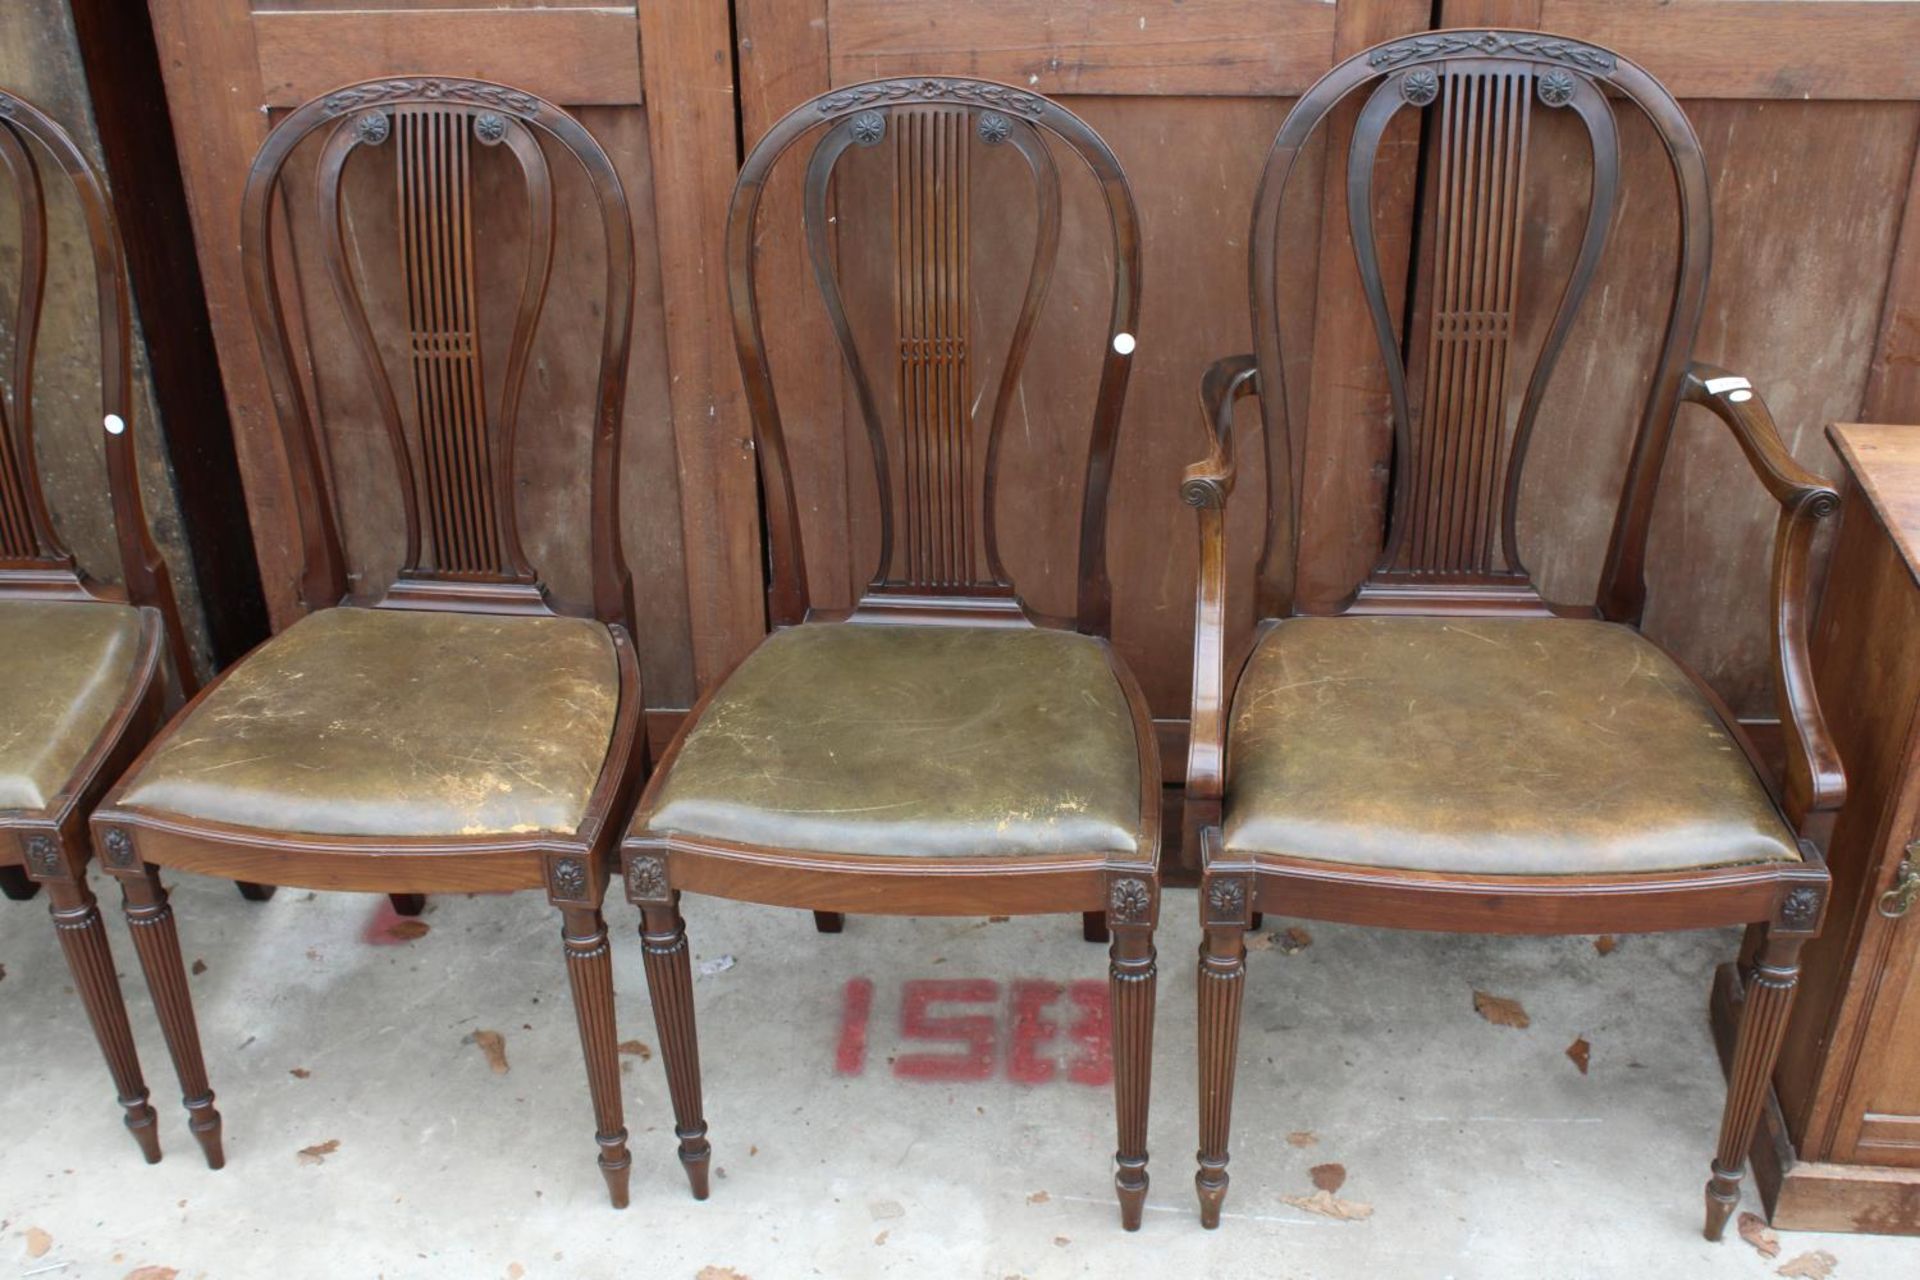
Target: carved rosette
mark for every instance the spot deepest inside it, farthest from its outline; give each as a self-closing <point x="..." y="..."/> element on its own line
<point x="994" y="128"/>
<point x="1555" y="88"/>
<point x="373" y="128"/>
<point x="1128" y="900"/>
<point x="119" y="848"/>
<point x="1226" y="900"/>
<point x="568" y="877"/>
<point x="1491" y="43"/>
<point x="1420" y="86"/>
<point x="932" y="90"/>
<point x="1800" y="909"/>
<point x="466" y="92"/>
<point x="43" y="855"/>
<point x="868" y="128"/>
<point x="647" y="879"/>
<point x="490" y="127"/>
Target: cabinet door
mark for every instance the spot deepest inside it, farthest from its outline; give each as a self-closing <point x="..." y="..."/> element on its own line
<point x="690" y="511"/>
<point x="1879" y="1123"/>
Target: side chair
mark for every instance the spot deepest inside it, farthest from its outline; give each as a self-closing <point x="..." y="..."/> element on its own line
<point x="82" y="685"/>
<point x="940" y="748"/>
<point x="1446" y="749"/>
<point x="465" y="731"/>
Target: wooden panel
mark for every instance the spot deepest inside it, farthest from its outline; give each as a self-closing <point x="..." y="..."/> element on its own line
<point x="1167" y="47"/>
<point x="1757" y="48"/>
<point x="577" y="56"/>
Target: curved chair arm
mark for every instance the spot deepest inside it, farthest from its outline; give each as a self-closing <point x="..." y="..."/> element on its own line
<point x="1205" y="487"/>
<point x="1816" y="781"/>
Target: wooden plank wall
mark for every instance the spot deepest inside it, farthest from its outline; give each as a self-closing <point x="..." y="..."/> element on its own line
<point x="1809" y="112"/>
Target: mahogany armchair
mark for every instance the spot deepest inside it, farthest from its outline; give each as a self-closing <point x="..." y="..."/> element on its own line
<point x="940" y="749"/>
<point x="1446" y="749"/>
<point x="466" y="730"/>
<point x="81" y="682"/>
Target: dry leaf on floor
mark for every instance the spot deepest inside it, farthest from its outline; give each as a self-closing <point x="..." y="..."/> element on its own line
<point x="1303" y="1138"/>
<point x="1755" y="1231"/>
<point x="721" y="1273"/>
<point x="408" y="930"/>
<point x="1328" y="1205"/>
<point x="635" y="1048"/>
<point x="299" y="1073"/>
<point x="881" y="1238"/>
<point x="1500" y="1011"/>
<point x="38" y="1242"/>
<point x="1063" y="1241"/>
<point x="199" y="966"/>
<point x="1328" y="1177"/>
<point x="1605" y="944"/>
<point x="1293" y="941"/>
<point x="494" y="1045"/>
<point x="1580" y="1053"/>
<point x="319" y="1151"/>
<point x="1038" y="1197"/>
<point x="1817" y="1265"/>
<point x="152" y="1273"/>
<point x="515" y="1271"/>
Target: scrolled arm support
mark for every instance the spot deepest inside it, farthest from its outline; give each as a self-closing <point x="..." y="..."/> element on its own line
<point x="1206" y="487"/>
<point x="1816" y="782"/>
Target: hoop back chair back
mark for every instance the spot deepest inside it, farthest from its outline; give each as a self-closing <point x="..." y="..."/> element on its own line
<point x="452" y="424"/>
<point x="939" y="475"/>
<point x="1503" y="816"/>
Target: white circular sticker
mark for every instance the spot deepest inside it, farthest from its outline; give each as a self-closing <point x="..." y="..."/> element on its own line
<point x="115" y="424"/>
<point x="1123" y="343"/>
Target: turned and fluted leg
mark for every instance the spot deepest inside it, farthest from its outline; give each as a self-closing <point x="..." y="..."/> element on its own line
<point x="670" y="984"/>
<point x="829" y="921"/>
<point x="1763" y="1026"/>
<point x="83" y="937"/>
<point x="1223" y="972"/>
<point x="150" y="920"/>
<point x="1131" y="981"/>
<point x="590" y="973"/>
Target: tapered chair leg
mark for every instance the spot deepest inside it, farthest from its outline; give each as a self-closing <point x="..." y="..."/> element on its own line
<point x="83" y="937"/>
<point x="670" y="984"/>
<point x="590" y="973"/>
<point x="17" y="885"/>
<point x="408" y="904"/>
<point x="150" y="920"/>
<point x="1763" y="1027"/>
<point x="1131" y="980"/>
<point x="1093" y="926"/>
<point x="1223" y="972"/>
<point x="255" y="892"/>
<point x="829" y="921"/>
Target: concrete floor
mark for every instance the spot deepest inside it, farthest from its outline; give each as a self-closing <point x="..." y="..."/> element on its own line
<point x="1482" y="1150"/>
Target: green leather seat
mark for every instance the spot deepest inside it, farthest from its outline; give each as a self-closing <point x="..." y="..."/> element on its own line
<point x="912" y="741"/>
<point x="66" y="667"/>
<point x="396" y="723"/>
<point x="1515" y="746"/>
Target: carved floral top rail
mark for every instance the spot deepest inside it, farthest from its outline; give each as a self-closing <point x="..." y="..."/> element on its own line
<point x="938" y="480"/>
<point x="453" y="444"/>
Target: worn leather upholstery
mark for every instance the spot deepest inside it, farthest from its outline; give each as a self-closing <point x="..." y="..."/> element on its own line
<point x="388" y="722"/>
<point x="64" y="667"/>
<point x="1518" y="746"/>
<point x="913" y="741"/>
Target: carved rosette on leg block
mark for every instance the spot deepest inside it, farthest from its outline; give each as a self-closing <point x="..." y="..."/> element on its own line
<point x="1763" y="1027"/>
<point x="1131" y="981"/>
<point x="150" y="920"/>
<point x="590" y="973"/>
<point x="83" y="937"/>
<point x="1224" y="902"/>
<point x="663" y="935"/>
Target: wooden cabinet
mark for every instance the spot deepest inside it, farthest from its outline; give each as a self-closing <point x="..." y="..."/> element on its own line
<point x="1843" y="1151"/>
